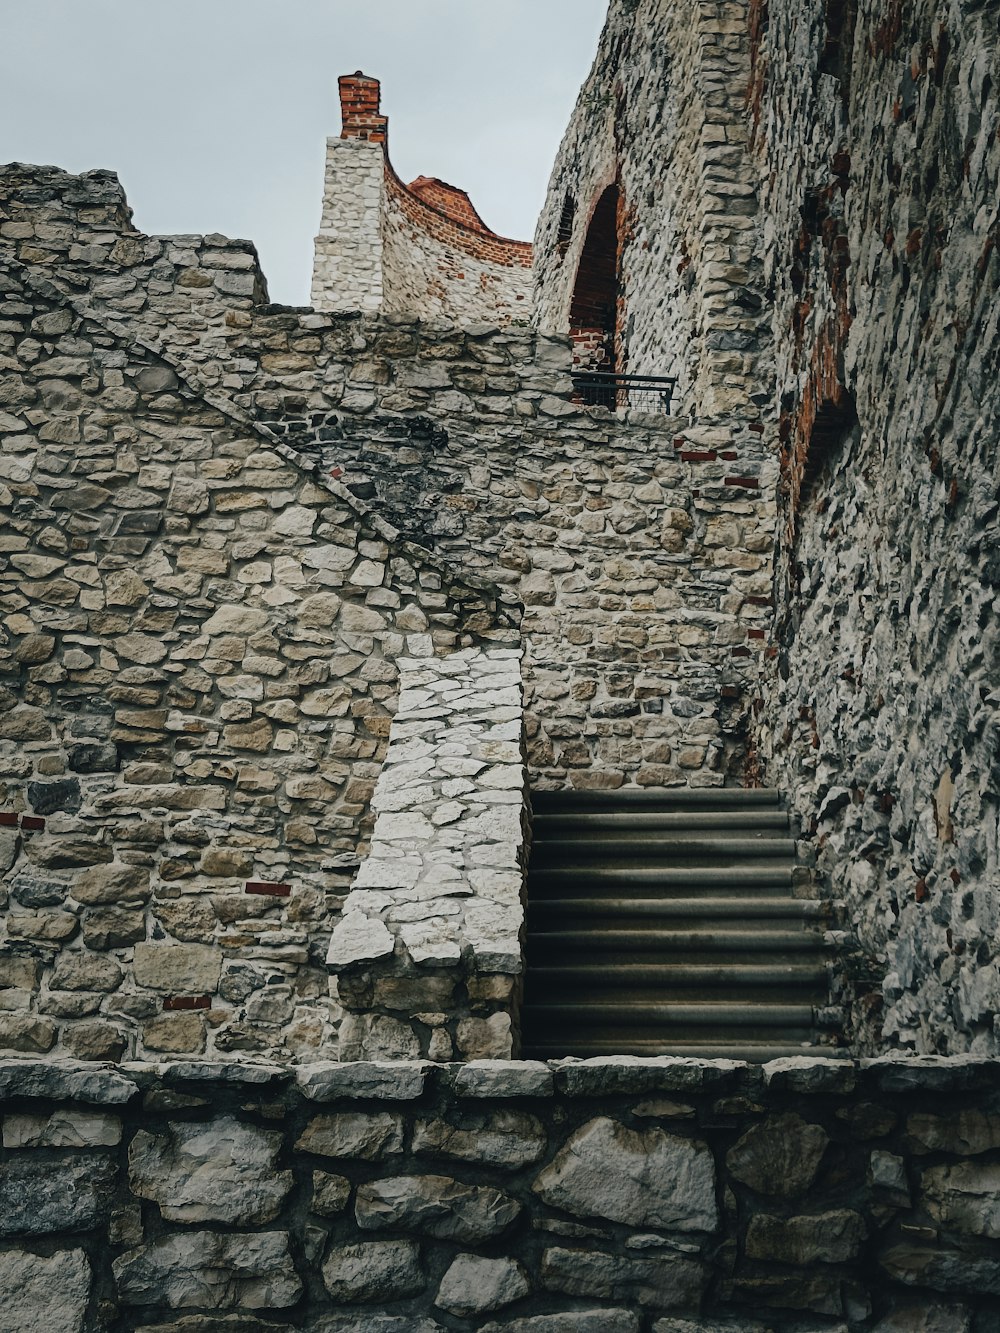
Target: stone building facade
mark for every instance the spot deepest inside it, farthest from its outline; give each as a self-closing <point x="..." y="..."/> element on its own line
<point x="299" y="606"/>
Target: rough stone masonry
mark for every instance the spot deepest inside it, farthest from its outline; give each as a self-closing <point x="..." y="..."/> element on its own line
<point x="671" y="1196"/>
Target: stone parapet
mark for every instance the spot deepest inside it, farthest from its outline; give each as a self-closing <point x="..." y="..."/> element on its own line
<point x="428" y="952"/>
<point x="646" y="1196"/>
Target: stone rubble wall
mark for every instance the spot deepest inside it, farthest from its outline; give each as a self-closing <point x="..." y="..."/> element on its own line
<point x="436" y="268"/>
<point x="880" y="172"/>
<point x="197" y="677"/>
<point x="661" y="114"/>
<point x="178" y="291"/>
<point x="428" y="953"/>
<point x="639" y="546"/>
<point x="606" y="1196"/>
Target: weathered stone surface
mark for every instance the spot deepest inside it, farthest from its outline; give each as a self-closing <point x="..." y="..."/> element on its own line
<point x="371" y="1137"/>
<point x="39" y="1198"/>
<point x="223" y="1171"/>
<point x="39" y="1293"/>
<point x="580" y="1321"/>
<point x="55" y="1080"/>
<point x="20" y="1032"/>
<point x="358" y="939"/>
<point x="833" y="1238"/>
<point x="964" y="1197"/>
<point x="943" y="1269"/>
<point x="330" y="1194"/>
<point x="474" y="1286"/>
<point x="962" y="1133"/>
<point x="218" y="1323"/>
<point x="926" y="1319"/>
<point x="612" y="1075"/>
<point x="179" y="969"/>
<point x="383" y="1082"/>
<point x="643" y="1178"/>
<point x="373" y="1323"/>
<point x="666" y="1282"/>
<point x="435" y="1206"/>
<point x="210" y="1270"/>
<point x="379" y="1270"/>
<point x="501" y="1138"/>
<point x="503" y="1078"/>
<point x="64" y="1128"/>
<point x="779" y="1157"/>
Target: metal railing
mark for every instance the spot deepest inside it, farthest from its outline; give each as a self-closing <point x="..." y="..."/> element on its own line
<point x="639" y="393"/>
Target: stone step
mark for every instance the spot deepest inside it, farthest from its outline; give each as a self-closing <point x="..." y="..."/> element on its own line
<point x="759" y="879"/>
<point x="622" y="946"/>
<point x="706" y="1013"/>
<point x="744" y="912"/>
<point x="656" y="798"/>
<point x="679" y="849"/>
<point x="775" y="983"/>
<point x="671" y="921"/>
<point x="700" y="1049"/>
<point x="598" y="823"/>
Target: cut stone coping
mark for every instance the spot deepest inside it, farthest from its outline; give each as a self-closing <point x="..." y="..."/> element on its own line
<point x="108" y="1085"/>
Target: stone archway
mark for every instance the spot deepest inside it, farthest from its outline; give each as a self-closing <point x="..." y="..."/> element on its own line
<point x="594" y="323"/>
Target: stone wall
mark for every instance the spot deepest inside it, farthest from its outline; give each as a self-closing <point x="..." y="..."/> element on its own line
<point x="661" y="115"/>
<point x="178" y="291"/>
<point x="264" y="519"/>
<point x="198" y="659"/>
<point x="420" y="250"/>
<point x="879" y="164"/>
<point x="623" y="1196"/>
<point x="639" y="545"/>
<point x="438" y="267"/>
<point x="428" y="954"/>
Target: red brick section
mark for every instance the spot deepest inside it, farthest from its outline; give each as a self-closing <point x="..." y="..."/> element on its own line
<point x="32" y="823"/>
<point x="450" y="200"/>
<point x="175" y="1002"/>
<point x="361" y="109"/>
<point x="9" y="820"/>
<point x="268" y="889"/>
<point x="474" y="239"/>
<point x="442" y="210"/>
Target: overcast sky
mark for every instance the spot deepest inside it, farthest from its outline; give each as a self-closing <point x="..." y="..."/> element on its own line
<point x="214" y="113"/>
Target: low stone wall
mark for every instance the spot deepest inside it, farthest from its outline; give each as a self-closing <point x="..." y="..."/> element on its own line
<point x="428" y="952"/>
<point x="610" y="1196"/>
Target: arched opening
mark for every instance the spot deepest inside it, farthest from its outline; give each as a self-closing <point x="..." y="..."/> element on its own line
<point x="594" y="323"/>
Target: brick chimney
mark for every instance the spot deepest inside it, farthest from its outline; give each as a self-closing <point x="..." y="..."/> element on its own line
<point x="360" y="108"/>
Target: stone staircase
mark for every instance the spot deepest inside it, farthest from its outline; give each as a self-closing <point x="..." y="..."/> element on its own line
<point x="672" y="922"/>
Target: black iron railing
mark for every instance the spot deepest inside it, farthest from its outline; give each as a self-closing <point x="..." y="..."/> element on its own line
<point x="640" y="393"/>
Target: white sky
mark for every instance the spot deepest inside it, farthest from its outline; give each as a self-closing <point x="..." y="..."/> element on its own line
<point x="214" y="113"/>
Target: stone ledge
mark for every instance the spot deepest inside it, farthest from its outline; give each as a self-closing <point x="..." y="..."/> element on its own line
<point x="402" y="1080"/>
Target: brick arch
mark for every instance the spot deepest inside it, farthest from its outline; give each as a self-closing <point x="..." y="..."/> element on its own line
<point x="595" y="322"/>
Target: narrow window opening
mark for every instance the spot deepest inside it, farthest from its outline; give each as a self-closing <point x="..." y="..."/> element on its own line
<point x="594" y="313"/>
<point x="564" y="236"/>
